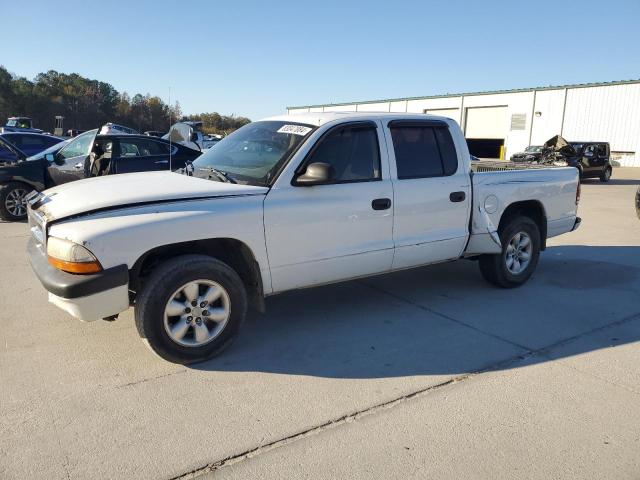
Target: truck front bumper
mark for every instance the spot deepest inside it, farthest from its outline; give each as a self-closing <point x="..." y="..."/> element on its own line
<point x="87" y="297"/>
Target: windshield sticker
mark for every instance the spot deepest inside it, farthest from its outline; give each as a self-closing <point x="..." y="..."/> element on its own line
<point x="295" y="129"/>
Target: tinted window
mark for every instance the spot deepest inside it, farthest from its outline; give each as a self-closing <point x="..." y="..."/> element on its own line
<point x="447" y="151"/>
<point x="353" y="153"/>
<point x="602" y="150"/>
<point x="6" y="155"/>
<point x="423" y="151"/>
<point x="34" y="142"/>
<point x="140" y="147"/>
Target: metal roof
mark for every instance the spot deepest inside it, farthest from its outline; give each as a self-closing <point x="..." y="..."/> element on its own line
<point x="469" y="94"/>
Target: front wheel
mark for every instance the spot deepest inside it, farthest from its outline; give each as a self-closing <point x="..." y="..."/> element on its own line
<point x="512" y="267"/>
<point x="13" y="201"/>
<point x="190" y="308"/>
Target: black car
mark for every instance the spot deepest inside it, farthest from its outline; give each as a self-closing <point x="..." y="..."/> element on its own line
<point x="531" y="153"/>
<point x="87" y="155"/>
<point x="27" y="142"/>
<point x="592" y="160"/>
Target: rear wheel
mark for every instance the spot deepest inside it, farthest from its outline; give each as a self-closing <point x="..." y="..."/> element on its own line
<point x="512" y="267"/>
<point x="13" y="203"/>
<point x="606" y="175"/>
<point x="191" y="308"/>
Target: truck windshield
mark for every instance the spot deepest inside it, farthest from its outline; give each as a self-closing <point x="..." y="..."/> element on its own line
<point x="254" y="153"/>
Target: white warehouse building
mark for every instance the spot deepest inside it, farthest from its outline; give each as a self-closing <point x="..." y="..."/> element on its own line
<point x="500" y="123"/>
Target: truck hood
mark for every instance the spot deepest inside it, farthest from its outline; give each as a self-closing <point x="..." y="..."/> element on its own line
<point x="115" y="191"/>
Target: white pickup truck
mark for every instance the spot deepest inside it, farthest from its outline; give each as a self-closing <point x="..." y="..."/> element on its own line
<point x="286" y="203"/>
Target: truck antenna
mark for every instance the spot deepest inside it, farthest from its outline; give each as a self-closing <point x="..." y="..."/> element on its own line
<point x="170" y="147"/>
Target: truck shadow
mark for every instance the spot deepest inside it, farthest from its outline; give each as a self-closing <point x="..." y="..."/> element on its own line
<point x="445" y="320"/>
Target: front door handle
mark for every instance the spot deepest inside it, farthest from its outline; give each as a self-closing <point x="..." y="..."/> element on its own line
<point x="381" y="203"/>
<point x="159" y="162"/>
<point x="457" y="196"/>
<point x="78" y="166"/>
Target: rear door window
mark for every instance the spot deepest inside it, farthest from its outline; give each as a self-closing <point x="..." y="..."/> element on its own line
<point x="140" y="147"/>
<point x="423" y="151"/>
<point x="34" y="142"/>
<point x="602" y="150"/>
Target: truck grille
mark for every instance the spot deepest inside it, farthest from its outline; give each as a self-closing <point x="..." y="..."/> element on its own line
<point x="38" y="228"/>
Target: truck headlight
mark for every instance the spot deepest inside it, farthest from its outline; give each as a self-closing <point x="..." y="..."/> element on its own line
<point x="71" y="257"/>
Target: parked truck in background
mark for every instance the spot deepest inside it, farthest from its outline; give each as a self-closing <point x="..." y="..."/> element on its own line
<point x="285" y="203"/>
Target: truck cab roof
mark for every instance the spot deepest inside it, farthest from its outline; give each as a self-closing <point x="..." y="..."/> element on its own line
<point x="320" y="118"/>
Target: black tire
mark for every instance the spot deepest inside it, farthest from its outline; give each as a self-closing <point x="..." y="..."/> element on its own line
<point x="9" y="194"/>
<point x="494" y="267"/>
<point x="159" y="287"/>
<point x="606" y="175"/>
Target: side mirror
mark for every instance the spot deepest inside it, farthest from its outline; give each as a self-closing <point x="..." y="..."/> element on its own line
<point x="316" y="174"/>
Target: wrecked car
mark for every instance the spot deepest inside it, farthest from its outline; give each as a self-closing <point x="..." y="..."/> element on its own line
<point x="532" y="152"/>
<point x="87" y="155"/>
<point x="590" y="158"/>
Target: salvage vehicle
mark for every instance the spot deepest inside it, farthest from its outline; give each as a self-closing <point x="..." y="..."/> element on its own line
<point x="87" y="155"/>
<point x="590" y="158"/>
<point x="532" y="152"/>
<point x="28" y="143"/>
<point x="286" y="203"/>
<point x="187" y="133"/>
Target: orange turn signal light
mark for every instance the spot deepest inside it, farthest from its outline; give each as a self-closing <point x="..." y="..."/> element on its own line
<point x="75" y="267"/>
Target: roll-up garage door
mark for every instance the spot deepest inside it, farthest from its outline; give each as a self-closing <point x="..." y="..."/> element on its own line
<point x="486" y="122"/>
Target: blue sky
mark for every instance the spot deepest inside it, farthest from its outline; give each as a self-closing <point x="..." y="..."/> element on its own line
<point x="255" y="58"/>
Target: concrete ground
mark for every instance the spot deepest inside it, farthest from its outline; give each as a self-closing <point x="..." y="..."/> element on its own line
<point x="429" y="373"/>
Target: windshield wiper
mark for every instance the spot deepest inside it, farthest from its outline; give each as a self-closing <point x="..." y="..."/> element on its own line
<point x="220" y="175"/>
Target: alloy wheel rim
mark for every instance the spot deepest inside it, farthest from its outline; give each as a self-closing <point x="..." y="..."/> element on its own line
<point x="197" y="313"/>
<point x="16" y="203"/>
<point x="518" y="253"/>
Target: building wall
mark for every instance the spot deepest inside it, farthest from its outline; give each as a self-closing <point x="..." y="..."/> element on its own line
<point x="608" y="113"/>
<point x="549" y="105"/>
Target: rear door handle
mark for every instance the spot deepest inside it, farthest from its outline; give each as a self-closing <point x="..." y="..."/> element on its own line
<point x="457" y="196"/>
<point x="381" y="203"/>
<point x="162" y="162"/>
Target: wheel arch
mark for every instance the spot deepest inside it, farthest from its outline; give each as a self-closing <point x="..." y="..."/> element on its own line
<point x="231" y="251"/>
<point x="532" y="209"/>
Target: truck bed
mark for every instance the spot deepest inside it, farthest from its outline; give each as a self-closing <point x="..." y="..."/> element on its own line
<point x="500" y="166"/>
